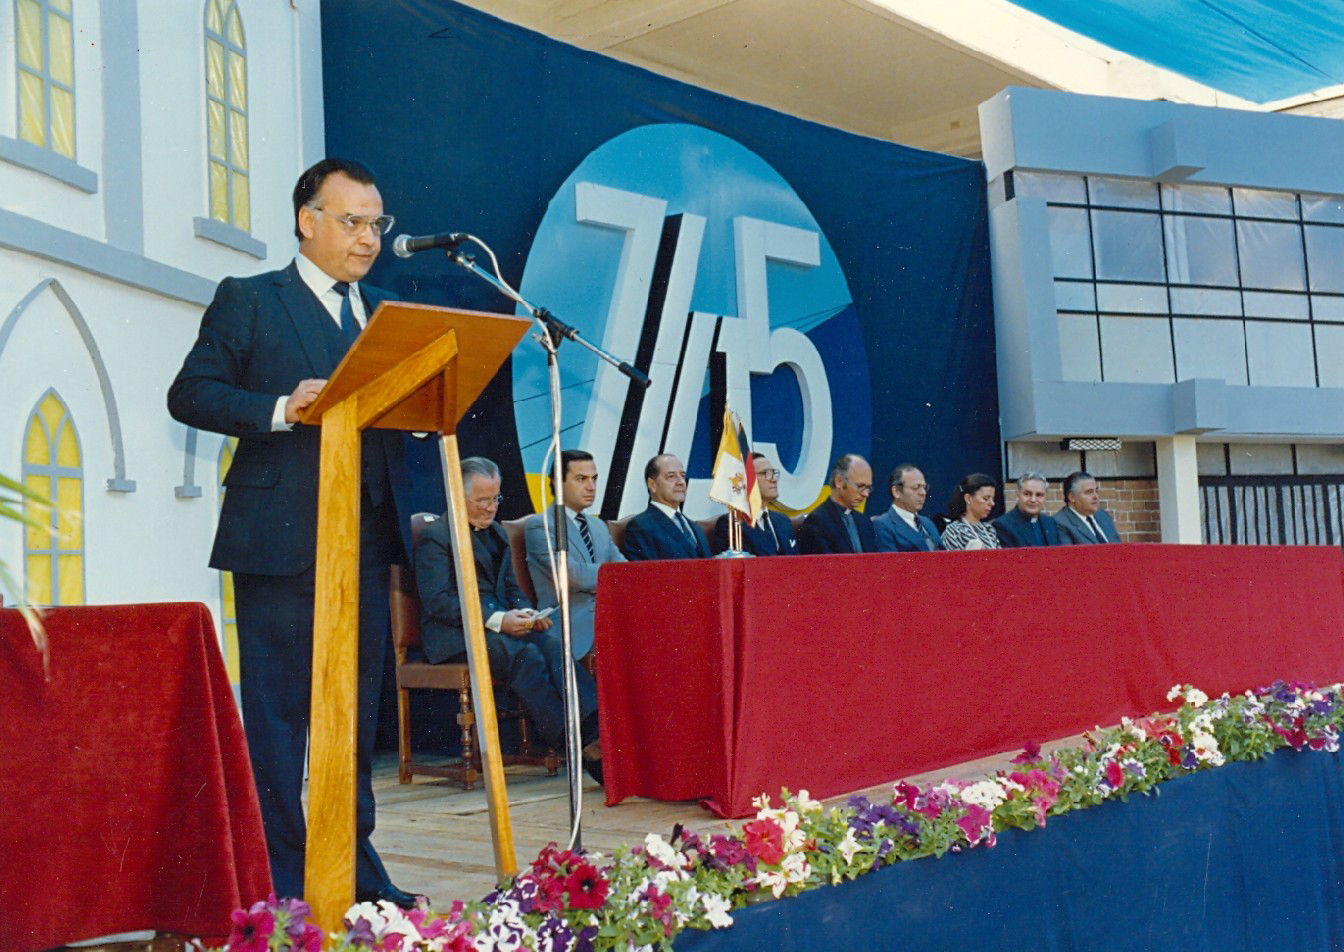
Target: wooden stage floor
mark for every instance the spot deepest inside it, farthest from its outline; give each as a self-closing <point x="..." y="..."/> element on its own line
<point x="435" y="837"/>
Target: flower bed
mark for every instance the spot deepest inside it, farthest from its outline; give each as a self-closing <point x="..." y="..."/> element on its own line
<point x="642" y="896"/>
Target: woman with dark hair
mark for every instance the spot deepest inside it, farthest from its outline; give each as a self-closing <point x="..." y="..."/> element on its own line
<point x="969" y="507"/>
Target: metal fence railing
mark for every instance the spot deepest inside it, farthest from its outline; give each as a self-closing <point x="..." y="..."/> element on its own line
<point x="1272" y="510"/>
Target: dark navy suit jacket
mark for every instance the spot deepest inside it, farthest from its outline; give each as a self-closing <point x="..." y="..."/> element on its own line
<point x="1014" y="529"/>
<point x="895" y="535"/>
<point x="259" y="337"/>
<point x="760" y="541"/>
<point x="823" y="532"/>
<point x="441" y="631"/>
<point x="652" y="535"/>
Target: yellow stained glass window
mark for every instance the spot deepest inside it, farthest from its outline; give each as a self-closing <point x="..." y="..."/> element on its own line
<point x="237" y="80"/>
<point x="46" y="74"/>
<point x="29" y="16"/>
<point x="32" y="109"/>
<point x="63" y="122"/>
<point x="214" y="68"/>
<point x="53" y="466"/>
<point x="61" y="50"/>
<point x="228" y="614"/>
<point x="227" y="119"/>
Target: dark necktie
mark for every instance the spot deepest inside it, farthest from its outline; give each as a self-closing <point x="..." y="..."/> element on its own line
<point x="928" y="539"/>
<point x="770" y="525"/>
<point x="587" y="536"/>
<point x="349" y="326"/>
<point x="1096" y="529"/>
<point x="848" y="519"/>
<point x="688" y="532"/>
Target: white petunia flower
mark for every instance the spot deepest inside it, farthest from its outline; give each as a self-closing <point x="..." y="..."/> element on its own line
<point x="716" y="910"/>
<point x="985" y="793"/>
<point x="848" y="846"/>
<point x="806" y="804"/>
<point x="1206" y="748"/>
<point x="662" y="851"/>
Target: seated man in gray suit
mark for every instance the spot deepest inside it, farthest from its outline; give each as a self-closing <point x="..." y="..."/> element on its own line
<point x="523" y="654"/>
<point x="1082" y="521"/>
<point x="901" y="528"/>
<point x="1025" y="525"/>
<point x="589" y="546"/>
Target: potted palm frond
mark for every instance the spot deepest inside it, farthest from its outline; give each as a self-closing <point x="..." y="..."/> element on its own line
<point x="19" y="504"/>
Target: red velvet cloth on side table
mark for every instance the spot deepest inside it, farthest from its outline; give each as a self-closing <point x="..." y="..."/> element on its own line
<point x="730" y="678"/>
<point x="127" y="801"/>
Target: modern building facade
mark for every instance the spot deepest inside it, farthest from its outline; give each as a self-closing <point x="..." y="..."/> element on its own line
<point x="1173" y="276"/>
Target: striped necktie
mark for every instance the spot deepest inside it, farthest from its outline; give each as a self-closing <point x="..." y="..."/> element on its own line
<point x="587" y="536"/>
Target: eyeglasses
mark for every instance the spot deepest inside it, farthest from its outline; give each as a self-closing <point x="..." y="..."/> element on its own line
<point x="864" y="488"/>
<point x="354" y="224"/>
<point x="768" y="474"/>
<point x="487" y="502"/>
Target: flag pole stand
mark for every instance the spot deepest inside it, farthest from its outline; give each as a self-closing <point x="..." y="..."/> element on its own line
<point x="734" y="550"/>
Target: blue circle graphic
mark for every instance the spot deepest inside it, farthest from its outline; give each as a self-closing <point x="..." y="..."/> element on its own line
<point x="574" y="268"/>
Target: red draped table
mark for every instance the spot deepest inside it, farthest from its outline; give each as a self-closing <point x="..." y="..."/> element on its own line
<point x="127" y="800"/>
<point x="725" y="679"/>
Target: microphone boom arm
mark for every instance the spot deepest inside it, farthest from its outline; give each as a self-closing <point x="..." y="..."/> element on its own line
<point x="555" y="328"/>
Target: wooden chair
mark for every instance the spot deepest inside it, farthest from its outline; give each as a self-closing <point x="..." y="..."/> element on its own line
<point x="514" y="529"/>
<point x="421" y="675"/>
<point x="617" y="530"/>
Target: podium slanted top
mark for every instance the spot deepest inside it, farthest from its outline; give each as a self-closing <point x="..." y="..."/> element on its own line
<point x="400" y="329"/>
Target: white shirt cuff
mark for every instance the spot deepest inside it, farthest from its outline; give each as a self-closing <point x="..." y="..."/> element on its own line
<point x="278" y="424"/>
<point x="494" y="621"/>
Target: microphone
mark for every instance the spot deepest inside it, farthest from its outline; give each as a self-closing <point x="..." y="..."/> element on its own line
<point x="404" y="246"/>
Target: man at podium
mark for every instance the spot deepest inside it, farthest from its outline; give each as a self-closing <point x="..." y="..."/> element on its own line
<point x="265" y="349"/>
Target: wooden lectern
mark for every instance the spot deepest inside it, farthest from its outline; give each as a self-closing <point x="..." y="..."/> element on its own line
<point x="415" y="367"/>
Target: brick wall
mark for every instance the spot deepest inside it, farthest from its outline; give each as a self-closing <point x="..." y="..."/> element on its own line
<point x="1132" y="503"/>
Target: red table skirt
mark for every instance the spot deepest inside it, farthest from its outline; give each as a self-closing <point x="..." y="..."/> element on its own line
<point x="127" y="801"/>
<point x="729" y="678"/>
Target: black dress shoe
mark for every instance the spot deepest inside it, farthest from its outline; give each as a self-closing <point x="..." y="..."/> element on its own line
<point x="594" y="768"/>
<point x="389" y="893"/>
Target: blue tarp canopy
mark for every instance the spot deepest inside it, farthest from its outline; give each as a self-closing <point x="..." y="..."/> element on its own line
<point x="1261" y="50"/>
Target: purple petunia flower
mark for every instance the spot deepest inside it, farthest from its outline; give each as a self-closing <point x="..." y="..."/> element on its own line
<point x="584" y="941"/>
<point x="553" y="935"/>
<point x="360" y="933"/>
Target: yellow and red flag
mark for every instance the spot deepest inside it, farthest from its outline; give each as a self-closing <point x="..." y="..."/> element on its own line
<point x="734" y="482"/>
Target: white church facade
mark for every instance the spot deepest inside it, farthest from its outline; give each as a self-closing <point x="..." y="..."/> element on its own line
<point x="146" y="151"/>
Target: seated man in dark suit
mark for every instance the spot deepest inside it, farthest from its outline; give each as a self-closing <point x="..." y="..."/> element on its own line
<point x="837" y="525"/>
<point x="1082" y="521"/>
<point x="589" y="545"/>
<point x="773" y="532"/>
<point x="1025" y="525"/>
<point x="901" y="528"/>
<point x="522" y="655"/>
<point x="662" y="531"/>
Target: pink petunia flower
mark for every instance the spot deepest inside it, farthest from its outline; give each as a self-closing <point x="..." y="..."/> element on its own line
<point x="1115" y="775"/>
<point x="586" y="887"/>
<point x="764" y="840"/>
<point x="975" y="823"/>
<point x="252" y="929"/>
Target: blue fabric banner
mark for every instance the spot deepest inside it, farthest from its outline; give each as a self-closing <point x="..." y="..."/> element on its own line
<point x="1246" y="856"/>
<point x="833" y="289"/>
